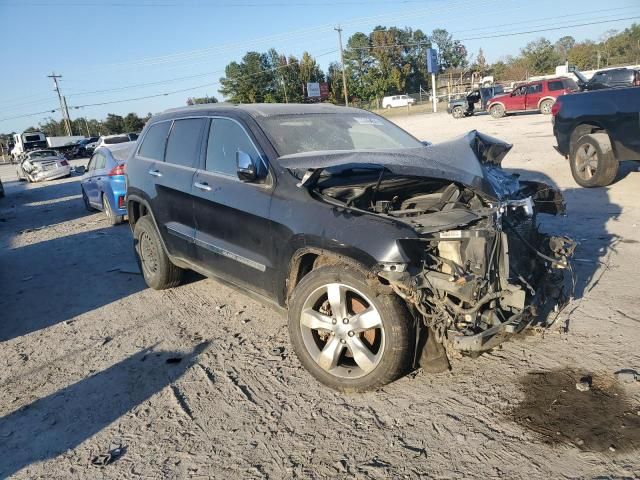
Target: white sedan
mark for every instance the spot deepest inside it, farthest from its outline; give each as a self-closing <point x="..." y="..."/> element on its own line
<point x="41" y="165"/>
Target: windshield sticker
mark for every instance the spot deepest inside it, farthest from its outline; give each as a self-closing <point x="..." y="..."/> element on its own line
<point x="368" y="120"/>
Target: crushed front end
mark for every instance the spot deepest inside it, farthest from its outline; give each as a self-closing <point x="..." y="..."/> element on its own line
<point x="475" y="287"/>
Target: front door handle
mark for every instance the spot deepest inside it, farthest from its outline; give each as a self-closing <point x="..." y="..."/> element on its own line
<point x="155" y="173"/>
<point x="202" y="186"/>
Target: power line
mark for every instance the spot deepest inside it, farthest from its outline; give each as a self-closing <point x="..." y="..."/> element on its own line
<point x="53" y="110"/>
<point x="219" y="5"/>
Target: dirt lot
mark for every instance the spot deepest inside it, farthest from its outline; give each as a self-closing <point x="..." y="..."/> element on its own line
<point x="199" y="381"/>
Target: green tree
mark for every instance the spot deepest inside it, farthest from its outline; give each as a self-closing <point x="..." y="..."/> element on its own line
<point x="540" y="57"/>
<point x="452" y="53"/>
<point x="249" y="81"/>
<point x="133" y="123"/>
<point x="113" y="124"/>
<point x="563" y="46"/>
<point x="200" y="100"/>
<point x="584" y="55"/>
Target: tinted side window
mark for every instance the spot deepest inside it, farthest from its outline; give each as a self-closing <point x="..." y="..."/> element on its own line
<point x="555" y="85"/>
<point x="537" y="88"/>
<point x="620" y="75"/>
<point x="226" y="137"/>
<point x="183" y="145"/>
<point x="153" y="143"/>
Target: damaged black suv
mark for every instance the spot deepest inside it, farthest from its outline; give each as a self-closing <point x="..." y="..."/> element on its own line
<point x="385" y="251"/>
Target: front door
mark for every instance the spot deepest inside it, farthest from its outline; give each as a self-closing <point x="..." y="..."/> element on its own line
<point x="517" y="99"/>
<point x="232" y="228"/>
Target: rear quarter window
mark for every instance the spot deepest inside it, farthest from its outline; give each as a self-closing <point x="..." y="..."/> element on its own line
<point x="153" y="144"/>
<point x="555" y="85"/>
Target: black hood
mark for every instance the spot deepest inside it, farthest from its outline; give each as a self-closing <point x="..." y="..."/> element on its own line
<point x="472" y="160"/>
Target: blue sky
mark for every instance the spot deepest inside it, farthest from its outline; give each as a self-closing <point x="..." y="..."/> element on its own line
<point x="116" y="45"/>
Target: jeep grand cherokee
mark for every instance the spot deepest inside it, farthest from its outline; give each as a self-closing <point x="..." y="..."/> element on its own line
<point x="384" y="250"/>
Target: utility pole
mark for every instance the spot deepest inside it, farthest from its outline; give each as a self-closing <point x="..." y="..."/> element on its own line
<point x="598" y="60"/>
<point x="63" y="105"/>
<point x="344" y="75"/>
<point x="86" y="125"/>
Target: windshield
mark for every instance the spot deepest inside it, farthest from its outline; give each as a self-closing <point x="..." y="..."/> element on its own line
<point x="114" y="140"/>
<point x="291" y="134"/>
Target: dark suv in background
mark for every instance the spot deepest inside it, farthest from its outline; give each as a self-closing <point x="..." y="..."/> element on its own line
<point x="613" y="78"/>
<point x="378" y="246"/>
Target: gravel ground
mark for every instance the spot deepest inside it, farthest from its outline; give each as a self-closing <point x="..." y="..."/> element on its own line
<point x="200" y="382"/>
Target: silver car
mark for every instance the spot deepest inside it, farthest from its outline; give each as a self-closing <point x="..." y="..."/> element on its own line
<point x="41" y="165"/>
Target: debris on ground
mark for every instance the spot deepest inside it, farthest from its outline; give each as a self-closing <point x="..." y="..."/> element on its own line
<point x="584" y="385"/>
<point x="627" y="376"/>
<point x="111" y="456"/>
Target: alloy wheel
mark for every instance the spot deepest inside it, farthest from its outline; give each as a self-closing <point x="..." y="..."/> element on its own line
<point x="342" y="331"/>
<point x="587" y="161"/>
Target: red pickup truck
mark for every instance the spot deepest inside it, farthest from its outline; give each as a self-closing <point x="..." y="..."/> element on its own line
<point x="539" y="95"/>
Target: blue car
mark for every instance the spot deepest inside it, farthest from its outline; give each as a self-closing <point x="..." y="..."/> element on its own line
<point x="103" y="184"/>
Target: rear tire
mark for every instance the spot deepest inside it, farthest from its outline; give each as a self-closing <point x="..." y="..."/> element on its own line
<point x="113" y="218"/>
<point x="497" y="111"/>
<point x="353" y="353"/>
<point x="593" y="163"/>
<point x="545" y="107"/>
<point x="158" y="271"/>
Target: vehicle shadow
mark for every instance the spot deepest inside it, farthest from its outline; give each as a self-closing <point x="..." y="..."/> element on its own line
<point x="588" y="211"/>
<point x="63" y="420"/>
<point x="626" y="168"/>
<point x="30" y="207"/>
<point x="87" y="274"/>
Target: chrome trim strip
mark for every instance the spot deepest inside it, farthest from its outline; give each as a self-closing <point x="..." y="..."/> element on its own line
<point x="184" y="236"/>
<point x="233" y="256"/>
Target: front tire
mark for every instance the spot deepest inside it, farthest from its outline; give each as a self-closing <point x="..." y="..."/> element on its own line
<point x="158" y="271"/>
<point x="593" y="163"/>
<point x="345" y="333"/>
<point x="497" y="111"/>
<point x="457" y="112"/>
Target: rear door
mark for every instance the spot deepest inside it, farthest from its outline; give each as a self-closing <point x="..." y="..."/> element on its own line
<point x="232" y="226"/>
<point x="96" y="169"/>
<point x="171" y="151"/>
<point x="534" y="95"/>
<point x="87" y="179"/>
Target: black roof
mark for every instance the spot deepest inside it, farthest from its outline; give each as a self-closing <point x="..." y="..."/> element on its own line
<point x="257" y="110"/>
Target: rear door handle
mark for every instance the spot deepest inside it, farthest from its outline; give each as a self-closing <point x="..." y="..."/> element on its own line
<point x="202" y="186"/>
<point x="155" y="173"/>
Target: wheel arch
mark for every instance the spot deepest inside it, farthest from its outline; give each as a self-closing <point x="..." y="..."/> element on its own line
<point x="137" y="207"/>
<point x="493" y="104"/>
<point x="544" y="99"/>
<point x="306" y="259"/>
<point x="586" y="128"/>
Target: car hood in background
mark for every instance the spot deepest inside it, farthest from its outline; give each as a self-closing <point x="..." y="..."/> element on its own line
<point x="472" y="160"/>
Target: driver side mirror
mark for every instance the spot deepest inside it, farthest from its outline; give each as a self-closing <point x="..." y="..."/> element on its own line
<point x="245" y="168"/>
